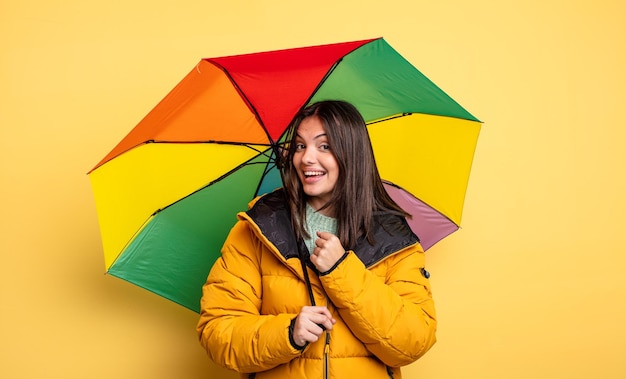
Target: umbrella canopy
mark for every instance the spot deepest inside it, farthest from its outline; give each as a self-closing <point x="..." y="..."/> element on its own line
<point x="168" y="193"/>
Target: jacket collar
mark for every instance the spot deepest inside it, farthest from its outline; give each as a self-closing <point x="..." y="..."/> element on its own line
<point x="271" y="214"/>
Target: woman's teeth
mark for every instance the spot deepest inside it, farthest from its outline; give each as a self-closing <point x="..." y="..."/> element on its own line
<point x="313" y="173"/>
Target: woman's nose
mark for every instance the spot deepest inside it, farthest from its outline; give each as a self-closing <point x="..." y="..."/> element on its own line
<point x="309" y="156"/>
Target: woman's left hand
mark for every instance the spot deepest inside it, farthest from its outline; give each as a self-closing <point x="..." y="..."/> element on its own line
<point x="327" y="251"/>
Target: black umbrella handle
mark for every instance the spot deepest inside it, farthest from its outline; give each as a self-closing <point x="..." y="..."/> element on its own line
<point x="307" y="280"/>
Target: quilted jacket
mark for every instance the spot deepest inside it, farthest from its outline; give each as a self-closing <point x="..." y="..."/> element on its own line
<point x="379" y="295"/>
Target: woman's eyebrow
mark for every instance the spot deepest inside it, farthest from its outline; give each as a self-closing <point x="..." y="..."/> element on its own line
<point x="316" y="137"/>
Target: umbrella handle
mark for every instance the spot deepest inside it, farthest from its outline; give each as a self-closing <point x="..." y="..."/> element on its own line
<point x="309" y="288"/>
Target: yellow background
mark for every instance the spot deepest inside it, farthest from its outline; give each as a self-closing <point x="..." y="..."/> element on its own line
<point x="532" y="286"/>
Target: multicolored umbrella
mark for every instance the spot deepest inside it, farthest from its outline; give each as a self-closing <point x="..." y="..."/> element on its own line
<point x="168" y="193"/>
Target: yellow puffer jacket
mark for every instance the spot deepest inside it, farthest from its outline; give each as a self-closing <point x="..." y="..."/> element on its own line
<point x="379" y="296"/>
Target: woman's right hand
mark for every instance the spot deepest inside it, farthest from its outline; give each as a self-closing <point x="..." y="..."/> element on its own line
<point x="311" y="323"/>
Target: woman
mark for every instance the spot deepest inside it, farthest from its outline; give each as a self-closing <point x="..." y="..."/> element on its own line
<point x="324" y="278"/>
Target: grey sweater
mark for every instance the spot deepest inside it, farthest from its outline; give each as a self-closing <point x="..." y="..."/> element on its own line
<point x="317" y="222"/>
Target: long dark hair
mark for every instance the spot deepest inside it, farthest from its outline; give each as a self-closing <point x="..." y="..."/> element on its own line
<point x="359" y="193"/>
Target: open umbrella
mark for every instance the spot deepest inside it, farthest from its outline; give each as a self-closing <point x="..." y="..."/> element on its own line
<point x="168" y="193"/>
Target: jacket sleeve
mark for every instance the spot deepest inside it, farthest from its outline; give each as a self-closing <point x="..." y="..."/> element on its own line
<point x="389" y="308"/>
<point x="231" y="328"/>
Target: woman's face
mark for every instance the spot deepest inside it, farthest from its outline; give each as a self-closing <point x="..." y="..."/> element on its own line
<point x="314" y="162"/>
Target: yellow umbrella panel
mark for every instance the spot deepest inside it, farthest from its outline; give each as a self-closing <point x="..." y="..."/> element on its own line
<point x="146" y="179"/>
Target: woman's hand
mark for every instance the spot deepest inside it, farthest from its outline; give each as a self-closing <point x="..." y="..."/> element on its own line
<point x="327" y="251"/>
<point x="311" y="323"/>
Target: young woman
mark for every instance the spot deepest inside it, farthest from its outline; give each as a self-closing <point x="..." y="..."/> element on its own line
<point x="324" y="278"/>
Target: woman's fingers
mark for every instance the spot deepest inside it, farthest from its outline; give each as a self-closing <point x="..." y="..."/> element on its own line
<point x="311" y="323"/>
<point x="328" y="250"/>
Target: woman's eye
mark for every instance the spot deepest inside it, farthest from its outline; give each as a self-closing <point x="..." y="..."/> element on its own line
<point x="325" y="146"/>
<point x="299" y="146"/>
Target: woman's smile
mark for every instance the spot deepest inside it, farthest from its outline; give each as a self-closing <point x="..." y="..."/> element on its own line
<point x="312" y="176"/>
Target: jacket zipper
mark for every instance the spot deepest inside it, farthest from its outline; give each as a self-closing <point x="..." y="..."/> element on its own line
<point x="326" y="358"/>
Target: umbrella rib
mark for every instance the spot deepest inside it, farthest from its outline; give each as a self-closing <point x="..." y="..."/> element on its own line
<point x="389" y="118"/>
<point x="210" y="141"/>
<point x="248" y="145"/>
<point x="420" y="200"/>
<point x="223" y="176"/>
<point x="130" y="240"/>
<point x="332" y="68"/>
<point x="269" y="166"/>
<point x="266" y="153"/>
<point x="330" y="71"/>
<point x="245" y="99"/>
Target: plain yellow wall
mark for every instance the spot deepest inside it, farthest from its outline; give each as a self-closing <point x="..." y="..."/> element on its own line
<point x="532" y="286"/>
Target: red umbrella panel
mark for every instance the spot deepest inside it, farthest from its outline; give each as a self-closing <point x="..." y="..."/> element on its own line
<point x="168" y="193"/>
